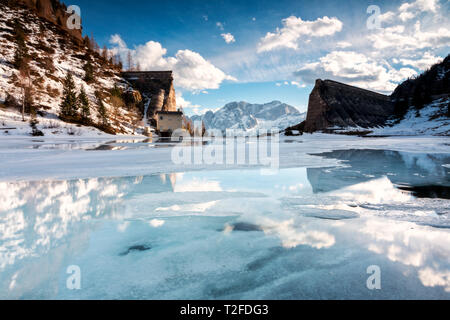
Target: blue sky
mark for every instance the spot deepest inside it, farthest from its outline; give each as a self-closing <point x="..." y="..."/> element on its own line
<point x="260" y="51"/>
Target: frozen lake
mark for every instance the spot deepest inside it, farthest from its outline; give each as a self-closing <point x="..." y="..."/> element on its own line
<point x="310" y="230"/>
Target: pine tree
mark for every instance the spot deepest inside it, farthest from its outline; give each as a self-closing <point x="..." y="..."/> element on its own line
<point x="69" y="105"/>
<point x="21" y="53"/>
<point x="84" y="104"/>
<point x="87" y="42"/>
<point x="88" y="68"/>
<point x="101" y="109"/>
<point x="105" y="53"/>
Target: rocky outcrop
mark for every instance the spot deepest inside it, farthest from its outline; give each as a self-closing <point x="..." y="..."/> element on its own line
<point x="334" y="105"/>
<point x="337" y="105"/>
<point x="53" y="11"/>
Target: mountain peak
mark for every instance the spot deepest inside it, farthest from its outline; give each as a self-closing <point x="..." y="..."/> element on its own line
<point x="247" y="116"/>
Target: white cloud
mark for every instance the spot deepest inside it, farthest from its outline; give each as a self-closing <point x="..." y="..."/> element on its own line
<point x="426" y="61"/>
<point x="355" y="69"/>
<point x="387" y="17"/>
<point x="298" y="84"/>
<point x="192" y="109"/>
<point x="228" y="37"/>
<point x="292" y="236"/>
<point x="435" y="278"/>
<point x="220" y="25"/>
<point x="295" y="28"/>
<point x="343" y="44"/>
<point x="398" y="39"/>
<point x="419" y="6"/>
<point x="404" y="16"/>
<point x="191" y="70"/>
<point x="117" y="40"/>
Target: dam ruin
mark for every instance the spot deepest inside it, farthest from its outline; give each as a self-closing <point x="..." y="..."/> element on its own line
<point x="158" y="88"/>
<point x="333" y="104"/>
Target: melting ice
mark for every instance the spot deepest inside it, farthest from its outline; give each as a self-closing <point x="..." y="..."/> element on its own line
<point x="301" y="233"/>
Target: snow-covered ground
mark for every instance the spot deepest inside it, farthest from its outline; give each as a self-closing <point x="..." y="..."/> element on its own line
<point x="431" y="120"/>
<point x="11" y="125"/>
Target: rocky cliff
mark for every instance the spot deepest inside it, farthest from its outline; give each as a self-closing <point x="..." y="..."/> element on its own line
<point x="334" y="105"/>
<point x="52" y="11"/>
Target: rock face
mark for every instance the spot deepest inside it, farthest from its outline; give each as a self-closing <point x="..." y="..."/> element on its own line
<point x="53" y="11"/>
<point x="154" y="85"/>
<point x="333" y="104"/>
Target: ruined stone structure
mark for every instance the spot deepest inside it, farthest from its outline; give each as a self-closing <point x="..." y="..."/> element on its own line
<point x="333" y="104"/>
<point x="157" y="86"/>
<point x="54" y="12"/>
<point x="169" y="121"/>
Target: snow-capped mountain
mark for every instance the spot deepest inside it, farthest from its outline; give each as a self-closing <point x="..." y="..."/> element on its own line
<point x="251" y="117"/>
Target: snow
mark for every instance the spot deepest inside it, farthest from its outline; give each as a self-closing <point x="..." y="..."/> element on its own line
<point x="428" y="121"/>
<point x="64" y="60"/>
<point x="251" y="118"/>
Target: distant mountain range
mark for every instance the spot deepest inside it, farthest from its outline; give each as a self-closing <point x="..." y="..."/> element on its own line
<point x="252" y="117"/>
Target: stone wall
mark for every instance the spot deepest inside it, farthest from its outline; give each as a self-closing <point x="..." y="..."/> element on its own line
<point x="333" y="104"/>
<point x="156" y="85"/>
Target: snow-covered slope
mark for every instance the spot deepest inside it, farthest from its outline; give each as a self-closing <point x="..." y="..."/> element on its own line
<point x="431" y="120"/>
<point x="53" y="53"/>
<point x="251" y="117"/>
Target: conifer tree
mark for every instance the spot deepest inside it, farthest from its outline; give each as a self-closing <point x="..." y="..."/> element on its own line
<point x="69" y="105"/>
<point x="21" y="53"/>
<point x="105" y="53"/>
<point x="84" y="105"/>
<point x="101" y="109"/>
<point x="88" y="68"/>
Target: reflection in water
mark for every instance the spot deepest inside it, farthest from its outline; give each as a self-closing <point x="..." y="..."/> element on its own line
<point x="401" y="168"/>
<point x="410" y="245"/>
<point x="37" y="216"/>
<point x="191" y="235"/>
<point x="431" y="191"/>
<point x="113" y="145"/>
